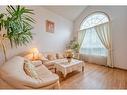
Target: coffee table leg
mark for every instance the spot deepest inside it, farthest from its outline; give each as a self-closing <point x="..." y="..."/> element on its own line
<point x="55" y="70"/>
<point x="82" y="68"/>
<point x="64" y="75"/>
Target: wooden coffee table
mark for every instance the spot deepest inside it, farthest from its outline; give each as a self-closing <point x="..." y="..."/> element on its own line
<point x="65" y="67"/>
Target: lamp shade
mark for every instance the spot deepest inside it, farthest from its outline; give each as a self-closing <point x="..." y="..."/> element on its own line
<point x="34" y="50"/>
<point x="35" y="53"/>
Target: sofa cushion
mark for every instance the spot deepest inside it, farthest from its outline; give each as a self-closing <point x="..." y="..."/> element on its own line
<point x="45" y="75"/>
<point x="48" y="63"/>
<point x="59" y="56"/>
<point x="51" y="57"/>
<point x="30" y="69"/>
<point x="37" y="63"/>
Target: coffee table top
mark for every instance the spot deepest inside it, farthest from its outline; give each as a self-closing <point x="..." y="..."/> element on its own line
<point x="64" y="63"/>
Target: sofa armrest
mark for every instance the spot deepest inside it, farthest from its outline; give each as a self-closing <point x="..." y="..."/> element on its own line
<point x="32" y="83"/>
<point x="28" y="82"/>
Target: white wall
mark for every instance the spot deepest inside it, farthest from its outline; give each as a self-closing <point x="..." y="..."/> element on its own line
<point x="118" y="16"/>
<point x="45" y="41"/>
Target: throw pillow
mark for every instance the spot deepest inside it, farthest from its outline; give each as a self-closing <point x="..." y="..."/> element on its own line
<point x="59" y="56"/>
<point x="51" y="57"/>
<point x="30" y="70"/>
<point x="42" y="57"/>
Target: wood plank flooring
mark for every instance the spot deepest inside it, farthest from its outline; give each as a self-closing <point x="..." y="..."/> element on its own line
<point x="95" y="77"/>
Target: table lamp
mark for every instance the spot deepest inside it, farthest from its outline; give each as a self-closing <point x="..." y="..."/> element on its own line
<point x="35" y="53"/>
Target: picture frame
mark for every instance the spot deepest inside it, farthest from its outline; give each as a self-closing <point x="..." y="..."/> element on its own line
<point x="50" y="26"/>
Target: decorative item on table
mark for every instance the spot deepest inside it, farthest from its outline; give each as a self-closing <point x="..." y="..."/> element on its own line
<point x="69" y="55"/>
<point x="35" y="53"/>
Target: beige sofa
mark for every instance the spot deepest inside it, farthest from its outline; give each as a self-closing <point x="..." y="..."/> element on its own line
<point x="12" y="76"/>
<point x="48" y="58"/>
<point x="49" y="62"/>
<point x="44" y="58"/>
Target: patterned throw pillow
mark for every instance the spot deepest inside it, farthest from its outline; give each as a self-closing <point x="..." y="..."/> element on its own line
<point x="30" y="70"/>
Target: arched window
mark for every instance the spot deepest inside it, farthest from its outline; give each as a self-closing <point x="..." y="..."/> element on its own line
<point x="91" y="43"/>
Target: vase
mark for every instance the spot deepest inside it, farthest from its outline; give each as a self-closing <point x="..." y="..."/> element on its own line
<point x="69" y="60"/>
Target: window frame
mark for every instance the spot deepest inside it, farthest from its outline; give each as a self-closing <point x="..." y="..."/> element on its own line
<point x="96" y="12"/>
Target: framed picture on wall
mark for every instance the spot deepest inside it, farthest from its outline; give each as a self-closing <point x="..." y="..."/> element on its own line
<point x="50" y="26"/>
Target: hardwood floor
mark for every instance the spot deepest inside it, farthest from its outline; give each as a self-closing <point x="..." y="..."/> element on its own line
<point x="95" y="77"/>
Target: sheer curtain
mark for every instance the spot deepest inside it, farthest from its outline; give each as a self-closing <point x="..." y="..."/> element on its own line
<point x="91" y="44"/>
<point x="81" y="35"/>
<point x="104" y="34"/>
<point x="95" y="42"/>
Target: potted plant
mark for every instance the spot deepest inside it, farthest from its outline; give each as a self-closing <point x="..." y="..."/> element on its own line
<point x="74" y="45"/>
<point x="17" y="26"/>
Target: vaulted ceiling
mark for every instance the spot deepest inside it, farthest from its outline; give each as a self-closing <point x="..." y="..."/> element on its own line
<point x="68" y="12"/>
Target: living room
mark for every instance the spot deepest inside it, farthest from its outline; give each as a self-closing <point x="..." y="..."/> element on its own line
<point x="54" y="30"/>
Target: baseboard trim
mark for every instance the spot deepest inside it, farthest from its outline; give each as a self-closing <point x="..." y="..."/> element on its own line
<point x="107" y="66"/>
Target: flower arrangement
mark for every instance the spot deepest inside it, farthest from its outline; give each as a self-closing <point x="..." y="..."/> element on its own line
<point x="69" y="55"/>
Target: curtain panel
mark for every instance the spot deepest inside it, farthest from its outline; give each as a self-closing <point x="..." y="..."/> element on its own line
<point x="81" y="35"/>
<point x="104" y="34"/>
<point x="92" y="45"/>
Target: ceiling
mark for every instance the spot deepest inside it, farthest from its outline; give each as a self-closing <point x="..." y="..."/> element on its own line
<point x="69" y="12"/>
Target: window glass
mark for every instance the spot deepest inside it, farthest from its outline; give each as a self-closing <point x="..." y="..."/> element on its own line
<point x="93" y="20"/>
